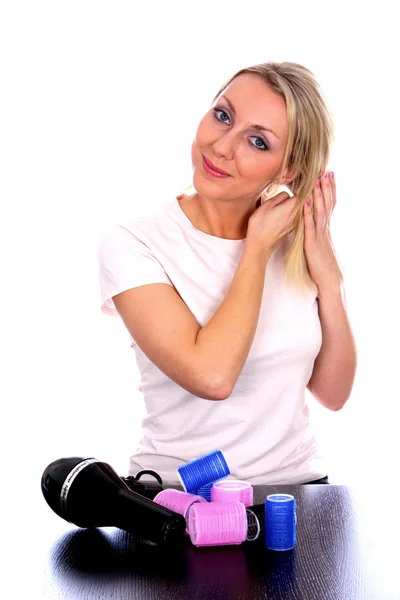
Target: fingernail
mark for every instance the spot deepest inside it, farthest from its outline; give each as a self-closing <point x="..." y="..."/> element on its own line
<point x="332" y="175"/>
<point x="308" y="201"/>
<point x="317" y="184"/>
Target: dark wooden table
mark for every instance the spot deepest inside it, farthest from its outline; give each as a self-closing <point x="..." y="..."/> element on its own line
<point x="347" y="548"/>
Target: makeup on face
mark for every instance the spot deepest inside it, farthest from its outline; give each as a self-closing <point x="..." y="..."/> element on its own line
<point x="209" y="168"/>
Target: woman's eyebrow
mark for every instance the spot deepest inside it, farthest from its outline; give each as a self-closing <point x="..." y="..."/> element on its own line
<point x="260" y="127"/>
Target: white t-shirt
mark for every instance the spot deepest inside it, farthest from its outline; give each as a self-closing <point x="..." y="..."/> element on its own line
<point x="263" y="427"/>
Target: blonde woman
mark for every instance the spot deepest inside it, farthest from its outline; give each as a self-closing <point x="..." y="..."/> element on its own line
<point x="232" y="296"/>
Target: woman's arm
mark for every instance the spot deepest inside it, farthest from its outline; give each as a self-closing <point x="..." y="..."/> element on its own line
<point x="205" y="361"/>
<point x="335" y="366"/>
<point x="227" y="337"/>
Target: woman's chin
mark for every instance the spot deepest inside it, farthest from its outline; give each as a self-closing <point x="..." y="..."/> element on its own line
<point x="206" y="186"/>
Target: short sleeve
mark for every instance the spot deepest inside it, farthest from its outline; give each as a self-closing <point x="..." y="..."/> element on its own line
<point x="125" y="262"/>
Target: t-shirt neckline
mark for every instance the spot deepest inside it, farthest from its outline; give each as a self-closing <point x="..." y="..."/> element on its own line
<point x="186" y="221"/>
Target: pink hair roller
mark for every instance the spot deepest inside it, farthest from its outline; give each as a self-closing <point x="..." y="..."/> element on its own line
<point x="217" y="523"/>
<point x="177" y="501"/>
<point x="229" y="491"/>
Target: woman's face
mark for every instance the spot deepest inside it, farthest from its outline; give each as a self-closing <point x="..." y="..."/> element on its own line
<point x="226" y="136"/>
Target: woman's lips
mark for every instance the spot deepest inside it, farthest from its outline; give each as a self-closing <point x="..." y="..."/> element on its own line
<point x="211" y="170"/>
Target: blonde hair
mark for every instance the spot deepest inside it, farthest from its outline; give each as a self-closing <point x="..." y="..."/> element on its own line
<point x="311" y="134"/>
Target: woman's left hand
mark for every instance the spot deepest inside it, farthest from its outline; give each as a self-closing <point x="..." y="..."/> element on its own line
<point x="318" y="247"/>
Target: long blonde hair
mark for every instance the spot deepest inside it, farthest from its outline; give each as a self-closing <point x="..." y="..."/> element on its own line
<point x="311" y="134"/>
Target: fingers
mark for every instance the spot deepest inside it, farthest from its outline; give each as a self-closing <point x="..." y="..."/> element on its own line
<point x="324" y="194"/>
<point x="327" y="194"/>
<point x="333" y="187"/>
<point x="309" y="223"/>
<point x="319" y="206"/>
<point x="282" y="197"/>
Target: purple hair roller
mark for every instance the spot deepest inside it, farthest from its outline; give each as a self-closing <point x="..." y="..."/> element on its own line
<point x="217" y="523"/>
<point x="178" y="501"/>
<point x="229" y="491"/>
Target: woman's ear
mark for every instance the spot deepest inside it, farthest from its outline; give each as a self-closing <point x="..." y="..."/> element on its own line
<point x="289" y="176"/>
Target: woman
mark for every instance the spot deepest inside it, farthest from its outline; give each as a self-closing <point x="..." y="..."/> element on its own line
<point x="233" y="297"/>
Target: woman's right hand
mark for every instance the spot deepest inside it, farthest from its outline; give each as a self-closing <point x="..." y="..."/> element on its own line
<point x="271" y="222"/>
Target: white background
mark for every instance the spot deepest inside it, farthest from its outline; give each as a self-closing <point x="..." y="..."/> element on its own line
<point x="99" y="105"/>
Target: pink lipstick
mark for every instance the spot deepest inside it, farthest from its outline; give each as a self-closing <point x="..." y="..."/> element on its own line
<point x="211" y="170"/>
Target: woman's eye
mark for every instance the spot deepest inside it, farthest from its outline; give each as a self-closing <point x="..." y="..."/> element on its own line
<point x="265" y="147"/>
<point x="262" y="148"/>
<point x="217" y="110"/>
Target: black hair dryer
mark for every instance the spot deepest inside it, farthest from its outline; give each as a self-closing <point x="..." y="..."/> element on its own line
<point x="89" y="493"/>
<point x="147" y="488"/>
